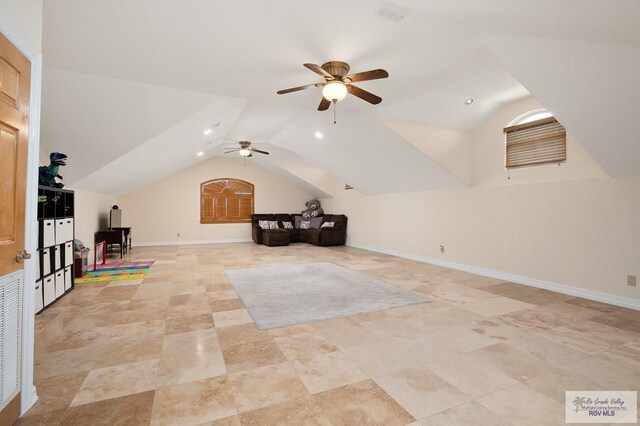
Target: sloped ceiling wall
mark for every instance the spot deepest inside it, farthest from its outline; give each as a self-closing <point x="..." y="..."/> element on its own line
<point x="592" y="88"/>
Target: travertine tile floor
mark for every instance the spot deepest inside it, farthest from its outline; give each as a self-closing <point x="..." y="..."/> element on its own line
<point x="179" y="348"/>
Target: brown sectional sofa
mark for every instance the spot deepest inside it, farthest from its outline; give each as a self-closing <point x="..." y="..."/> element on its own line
<point x="317" y="236"/>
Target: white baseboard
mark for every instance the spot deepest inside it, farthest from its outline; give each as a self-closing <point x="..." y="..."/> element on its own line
<point x="611" y="299"/>
<point x="192" y="242"/>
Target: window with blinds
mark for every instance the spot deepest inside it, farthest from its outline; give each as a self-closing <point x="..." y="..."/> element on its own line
<point x="536" y="143"/>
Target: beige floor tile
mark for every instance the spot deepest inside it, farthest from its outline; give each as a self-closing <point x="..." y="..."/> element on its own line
<point x="303" y="345"/>
<point x="608" y="372"/>
<point x="555" y="383"/>
<point x="518" y="364"/>
<point x="298" y="412"/>
<point x="184" y="324"/>
<point x="193" y="403"/>
<point x="234" y="317"/>
<point x="267" y="386"/>
<point x="467" y="414"/>
<point x="496" y="306"/>
<point x="45" y="418"/>
<point x="116" y="381"/>
<point x="65" y="362"/>
<point x="472" y="373"/>
<point x="252" y="355"/>
<point x="57" y="392"/>
<point x="227" y="421"/>
<point x="225" y="305"/>
<point x="421" y="392"/>
<point x="237" y="334"/>
<point x="191" y="356"/>
<point x="548" y="351"/>
<point x="328" y="371"/>
<point x="127" y="410"/>
<point x="127" y="351"/>
<point x="522" y="405"/>
<point x="362" y="403"/>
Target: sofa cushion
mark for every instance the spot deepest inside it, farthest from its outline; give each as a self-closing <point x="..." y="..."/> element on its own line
<point x="316" y="222"/>
<point x="257" y="217"/>
<point x="297" y="219"/>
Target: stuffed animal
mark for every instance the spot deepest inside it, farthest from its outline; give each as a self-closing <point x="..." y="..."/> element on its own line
<point x="47" y="174"/>
<point x="313" y="209"/>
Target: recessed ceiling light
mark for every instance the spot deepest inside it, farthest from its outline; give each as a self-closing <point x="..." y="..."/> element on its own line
<point x="208" y="132"/>
<point x="319" y="135"/>
<point x="468" y="101"/>
<point x="200" y="154"/>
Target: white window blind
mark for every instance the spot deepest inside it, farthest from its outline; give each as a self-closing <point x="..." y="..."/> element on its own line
<point x="535" y="143"/>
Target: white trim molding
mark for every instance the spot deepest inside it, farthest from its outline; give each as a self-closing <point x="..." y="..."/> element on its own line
<point x="28" y="390"/>
<point x="625" y="302"/>
<point x="192" y="242"/>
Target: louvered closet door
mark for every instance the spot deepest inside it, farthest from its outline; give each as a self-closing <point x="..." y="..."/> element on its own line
<point x="10" y="333"/>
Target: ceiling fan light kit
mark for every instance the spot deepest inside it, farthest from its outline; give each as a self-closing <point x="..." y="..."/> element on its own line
<point x="338" y="83"/>
<point x="246" y="150"/>
<point x="334" y="91"/>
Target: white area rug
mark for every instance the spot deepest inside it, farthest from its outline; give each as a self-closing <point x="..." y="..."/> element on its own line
<point x="282" y="295"/>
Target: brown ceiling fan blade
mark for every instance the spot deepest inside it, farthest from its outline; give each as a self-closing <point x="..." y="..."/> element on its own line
<point x="295" y="89"/>
<point x="318" y="70"/>
<point x="233" y="150"/>
<point x="364" y="95"/>
<point x="259" y="151"/>
<point x="367" y="75"/>
<point x="324" y="104"/>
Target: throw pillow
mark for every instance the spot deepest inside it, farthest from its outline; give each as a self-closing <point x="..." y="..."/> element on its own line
<point x="305" y="224"/>
<point x="297" y="221"/>
<point x="273" y="224"/>
<point x="264" y="224"/>
<point x="315" y="222"/>
<point x="327" y="225"/>
<point x="287" y="225"/>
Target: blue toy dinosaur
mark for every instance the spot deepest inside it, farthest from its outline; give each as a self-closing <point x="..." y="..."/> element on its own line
<point x="47" y="174"/>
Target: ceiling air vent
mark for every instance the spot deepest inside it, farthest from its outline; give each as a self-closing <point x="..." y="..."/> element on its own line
<point x="392" y="12"/>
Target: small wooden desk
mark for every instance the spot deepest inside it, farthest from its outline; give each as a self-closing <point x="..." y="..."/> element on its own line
<point x="113" y="237"/>
<point x="127" y="233"/>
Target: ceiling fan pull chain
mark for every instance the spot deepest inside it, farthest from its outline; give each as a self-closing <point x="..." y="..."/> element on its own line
<point x="334" y="111"/>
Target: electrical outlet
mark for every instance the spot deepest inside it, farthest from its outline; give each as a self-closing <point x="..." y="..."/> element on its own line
<point x="631" y="281"/>
<point x="441" y="249"/>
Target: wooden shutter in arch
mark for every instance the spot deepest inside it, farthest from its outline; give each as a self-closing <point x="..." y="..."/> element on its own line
<point x="226" y="200"/>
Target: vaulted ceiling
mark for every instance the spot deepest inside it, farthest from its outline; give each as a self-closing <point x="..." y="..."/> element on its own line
<point x="130" y="85"/>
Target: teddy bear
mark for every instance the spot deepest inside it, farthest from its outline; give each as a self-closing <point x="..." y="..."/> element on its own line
<point x="313" y="209"/>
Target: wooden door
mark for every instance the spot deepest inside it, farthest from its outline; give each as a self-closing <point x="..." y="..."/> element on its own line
<point x="15" y="78"/>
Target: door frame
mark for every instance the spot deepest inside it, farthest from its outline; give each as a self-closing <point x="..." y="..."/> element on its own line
<point x="15" y="36"/>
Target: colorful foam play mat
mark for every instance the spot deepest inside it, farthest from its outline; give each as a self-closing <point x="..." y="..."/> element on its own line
<point x="117" y="271"/>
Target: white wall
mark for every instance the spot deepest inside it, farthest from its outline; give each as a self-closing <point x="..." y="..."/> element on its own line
<point x="170" y="206"/>
<point x="448" y="147"/>
<point x="26" y="16"/>
<point x="582" y="233"/>
<point x="569" y="224"/>
<point x="91" y="215"/>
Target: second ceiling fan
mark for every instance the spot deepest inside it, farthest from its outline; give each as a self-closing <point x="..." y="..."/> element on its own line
<point x="338" y="83"/>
